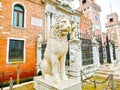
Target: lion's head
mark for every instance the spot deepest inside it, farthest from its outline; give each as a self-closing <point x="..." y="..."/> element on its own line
<point x="61" y="28"/>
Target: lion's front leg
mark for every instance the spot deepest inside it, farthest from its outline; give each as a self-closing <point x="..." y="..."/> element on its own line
<point x="54" y="62"/>
<point x="62" y="68"/>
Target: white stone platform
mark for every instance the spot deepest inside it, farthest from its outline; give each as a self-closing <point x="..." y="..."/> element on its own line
<point x="107" y="69"/>
<point x="70" y="84"/>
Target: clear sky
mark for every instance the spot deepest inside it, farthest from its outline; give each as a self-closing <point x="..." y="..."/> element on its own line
<point x="107" y="7"/>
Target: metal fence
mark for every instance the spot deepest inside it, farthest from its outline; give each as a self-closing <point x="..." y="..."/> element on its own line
<point x="109" y="80"/>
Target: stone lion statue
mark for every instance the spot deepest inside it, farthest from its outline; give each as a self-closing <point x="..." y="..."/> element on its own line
<point x="55" y="52"/>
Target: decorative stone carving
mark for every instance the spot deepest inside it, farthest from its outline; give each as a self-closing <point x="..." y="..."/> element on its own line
<point x="75" y="58"/>
<point x="94" y="42"/>
<point x="73" y="29"/>
<point x="55" y="53"/>
<point x="64" y="2"/>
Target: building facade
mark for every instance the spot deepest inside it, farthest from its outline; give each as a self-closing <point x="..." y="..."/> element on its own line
<point x="20" y="23"/>
<point x="85" y="36"/>
<point x="113" y="37"/>
<point x="92" y="10"/>
<point x="55" y="9"/>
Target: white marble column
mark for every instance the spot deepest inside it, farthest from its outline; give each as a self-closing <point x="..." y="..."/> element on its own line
<point x="117" y="54"/>
<point x="53" y="18"/>
<point x="75" y="58"/>
<point x="39" y="47"/>
<point x="111" y="53"/>
<point x="96" y="55"/>
<point x="48" y="24"/>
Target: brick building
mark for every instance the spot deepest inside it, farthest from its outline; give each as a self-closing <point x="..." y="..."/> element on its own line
<point x="20" y="23"/>
<point x="113" y="33"/>
<point x="85" y="24"/>
<point x="92" y="10"/>
<point x="86" y="36"/>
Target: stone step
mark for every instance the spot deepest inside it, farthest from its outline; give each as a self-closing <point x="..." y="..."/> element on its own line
<point x="112" y="70"/>
<point x="107" y="73"/>
<point x="102" y="72"/>
<point x="107" y="70"/>
<point x="116" y="76"/>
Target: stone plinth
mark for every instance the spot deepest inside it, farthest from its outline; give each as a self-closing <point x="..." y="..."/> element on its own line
<point x="75" y="58"/>
<point x="70" y="84"/>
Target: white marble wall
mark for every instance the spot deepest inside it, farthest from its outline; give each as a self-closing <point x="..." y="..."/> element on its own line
<point x="53" y="11"/>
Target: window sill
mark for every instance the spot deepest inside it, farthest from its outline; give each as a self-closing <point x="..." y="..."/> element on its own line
<point x="16" y="62"/>
<point x="23" y="28"/>
<point x="1" y="16"/>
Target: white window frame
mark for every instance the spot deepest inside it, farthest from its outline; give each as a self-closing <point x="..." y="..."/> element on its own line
<point x="0" y="5"/>
<point x="25" y="11"/>
<point x="7" y="56"/>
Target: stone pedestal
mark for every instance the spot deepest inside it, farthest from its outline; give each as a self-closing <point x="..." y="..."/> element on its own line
<point x="75" y="58"/>
<point x="70" y="84"/>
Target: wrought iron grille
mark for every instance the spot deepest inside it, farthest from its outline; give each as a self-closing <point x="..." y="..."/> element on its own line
<point x="98" y="38"/>
<point x="87" y="52"/>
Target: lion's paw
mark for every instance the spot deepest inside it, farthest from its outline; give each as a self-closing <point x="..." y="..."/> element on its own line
<point x="64" y="77"/>
<point x="56" y="79"/>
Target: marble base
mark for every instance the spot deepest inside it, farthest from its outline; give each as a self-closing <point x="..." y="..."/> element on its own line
<point x="70" y="84"/>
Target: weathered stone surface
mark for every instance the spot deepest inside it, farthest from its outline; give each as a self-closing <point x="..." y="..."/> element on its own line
<point x="70" y="84"/>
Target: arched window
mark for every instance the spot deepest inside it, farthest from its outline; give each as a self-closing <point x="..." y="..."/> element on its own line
<point x="83" y="1"/>
<point x="18" y="16"/>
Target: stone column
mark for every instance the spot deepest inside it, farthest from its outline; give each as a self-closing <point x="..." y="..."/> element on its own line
<point x="111" y="53"/>
<point x="53" y="18"/>
<point x="96" y="55"/>
<point x="117" y="54"/>
<point x="39" y="47"/>
<point x="75" y="58"/>
<point x="48" y="24"/>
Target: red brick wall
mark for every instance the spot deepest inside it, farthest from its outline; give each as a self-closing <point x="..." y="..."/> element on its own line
<point x="84" y="24"/>
<point x="29" y="33"/>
